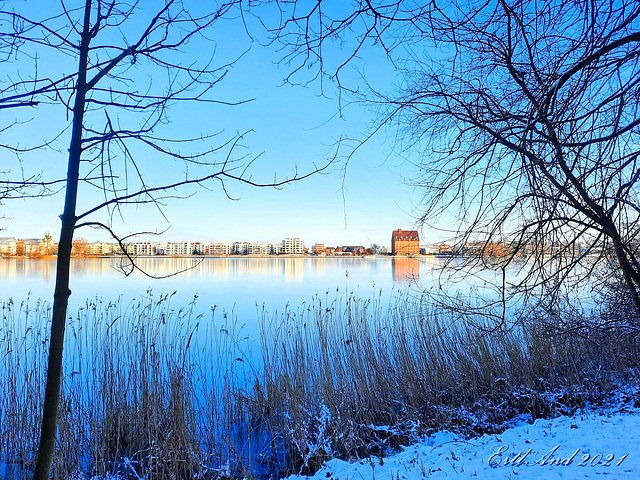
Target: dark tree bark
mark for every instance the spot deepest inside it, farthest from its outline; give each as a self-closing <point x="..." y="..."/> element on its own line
<point x="61" y="294"/>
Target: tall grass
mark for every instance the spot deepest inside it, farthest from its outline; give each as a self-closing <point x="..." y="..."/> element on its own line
<point x="155" y="391"/>
<point x="149" y="390"/>
<point x="352" y="379"/>
<point x="22" y="348"/>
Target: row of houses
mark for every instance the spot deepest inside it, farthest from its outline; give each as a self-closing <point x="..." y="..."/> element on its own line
<point x="290" y="245"/>
<point x="321" y="249"/>
<point x="403" y="242"/>
<point x="10" y="246"/>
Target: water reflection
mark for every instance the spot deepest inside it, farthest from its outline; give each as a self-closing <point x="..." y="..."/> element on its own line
<point x="21" y="267"/>
<point x="293" y="268"/>
<point x="241" y="286"/>
<point x="405" y="270"/>
<point x="214" y="279"/>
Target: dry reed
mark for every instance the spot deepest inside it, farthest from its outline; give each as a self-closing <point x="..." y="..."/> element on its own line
<point x="351" y="379"/>
<point x="154" y="391"/>
<point x="149" y="391"/>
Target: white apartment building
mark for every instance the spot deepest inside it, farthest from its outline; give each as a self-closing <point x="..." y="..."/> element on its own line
<point x="177" y="248"/>
<point x="94" y="248"/>
<point x="219" y="248"/>
<point x="31" y="246"/>
<point x="8" y="246"/>
<point x="292" y="245"/>
<point x="111" y="249"/>
<point x="258" y="248"/>
<point x="197" y="248"/>
<point x="241" y="248"/>
<point x="275" y="248"/>
<point x="101" y="248"/>
<point x="141" y="248"/>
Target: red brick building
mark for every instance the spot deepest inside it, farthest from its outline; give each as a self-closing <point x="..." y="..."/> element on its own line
<point x="405" y="242"/>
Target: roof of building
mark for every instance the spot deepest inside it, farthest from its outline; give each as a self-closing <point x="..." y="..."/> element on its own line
<point x="405" y="235"/>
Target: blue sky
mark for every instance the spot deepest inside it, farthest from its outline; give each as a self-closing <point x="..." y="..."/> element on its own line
<point x="290" y="126"/>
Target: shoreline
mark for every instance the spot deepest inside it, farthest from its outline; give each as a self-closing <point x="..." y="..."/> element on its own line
<point x="54" y="257"/>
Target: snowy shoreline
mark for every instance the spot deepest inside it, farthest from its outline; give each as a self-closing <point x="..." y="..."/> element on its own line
<point x="585" y="445"/>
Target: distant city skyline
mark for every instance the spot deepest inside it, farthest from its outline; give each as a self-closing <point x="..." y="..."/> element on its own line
<point x="168" y="239"/>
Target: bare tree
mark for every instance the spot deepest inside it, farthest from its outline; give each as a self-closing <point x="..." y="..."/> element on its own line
<point x="79" y="247"/>
<point x="522" y="118"/>
<point x="114" y="68"/>
<point x="47" y="244"/>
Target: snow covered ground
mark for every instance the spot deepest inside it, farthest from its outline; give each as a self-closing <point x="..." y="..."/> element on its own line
<point x="586" y="445"/>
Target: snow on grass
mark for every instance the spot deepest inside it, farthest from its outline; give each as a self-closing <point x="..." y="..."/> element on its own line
<point x="590" y="445"/>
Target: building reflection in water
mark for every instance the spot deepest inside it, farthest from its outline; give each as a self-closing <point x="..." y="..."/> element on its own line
<point x="207" y="274"/>
<point x="291" y="268"/>
<point x="27" y="268"/>
<point x="405" y="269"/>
<point x="230" y="282"/>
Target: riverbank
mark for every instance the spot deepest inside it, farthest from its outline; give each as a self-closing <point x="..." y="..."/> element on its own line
<point x="281" y="255"/>
<point x="589" y="444"/>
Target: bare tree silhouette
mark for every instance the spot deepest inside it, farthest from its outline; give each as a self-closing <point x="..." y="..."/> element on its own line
<point x="521" y="117"/>
<point x="115" y="68"/>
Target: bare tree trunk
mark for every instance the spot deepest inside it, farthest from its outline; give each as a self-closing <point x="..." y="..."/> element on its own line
<point x="49" y="428"/>
<point x="627" y="272"/>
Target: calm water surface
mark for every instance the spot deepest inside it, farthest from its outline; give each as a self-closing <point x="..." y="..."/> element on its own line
<point x="238" y="284"/>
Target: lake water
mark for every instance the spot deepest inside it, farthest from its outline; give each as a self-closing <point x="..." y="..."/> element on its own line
<point x="112" y="360"/>
<point x="240" y="284"/>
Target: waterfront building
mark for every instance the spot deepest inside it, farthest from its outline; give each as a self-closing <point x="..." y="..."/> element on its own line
<point x="275" y="248"/>
<point x="31" y="246"/>
<point x="96" y="249"/>
<point x="318" y="248"/>
<point x="219" y="248"/>
<point x="405" y="242"/>
<point x="444" y="249"/>
<point x="111" y="249"/>
<point x="177" y="248"/>
<point x="258" y="249"/>
<point x="349" y="250"/>
<point x="8" y="246"/>
<point x="428" y="250"/>
<point x="241" y="248"/>
<point x="135" y="249"/>
<point x="196" y="248"/>
<point x="292" y="245"/>
<point x="102" y="249"/>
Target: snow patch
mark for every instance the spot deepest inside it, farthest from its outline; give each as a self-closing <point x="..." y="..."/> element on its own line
<point x="580" y="446"/>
